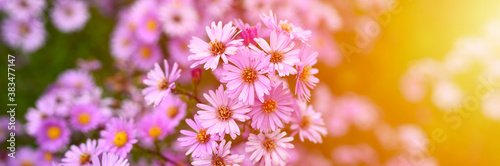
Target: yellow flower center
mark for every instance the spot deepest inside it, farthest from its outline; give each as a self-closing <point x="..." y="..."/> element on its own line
<point x="269" y="106"/>
<point x="151" y="25"/>
<point x="54" y="132"/>
<point x="223" y="113"/>
<point x="27" y="163"/>
<point x="269" y="144"/>
<point x="218" y="161"/>
<point x="47" y="156"/>
<point x="155" y="131"/>
<point x="286" y="26"/>
<point x="306" y="122"/>
<point x="217" y="47"/>
<point x="145" y="52"/>
<point x="163" y="84"/>
<point x="202" y="136"/>
<point x="306" y="73"/>
<point x="249" y="75"/>
<point x="276" y="57"/>
<point x="172" y="111"/>
<point x="120" y="139"/>
<point x="85" y="158"/>
<point x="84" y="118"/>
<point x="24" y="29"/>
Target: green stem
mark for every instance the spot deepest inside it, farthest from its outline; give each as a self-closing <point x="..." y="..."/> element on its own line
<point x="178" y="90"/>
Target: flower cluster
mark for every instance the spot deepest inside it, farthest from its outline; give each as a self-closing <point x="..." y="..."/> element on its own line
<point x="24" y="29"/>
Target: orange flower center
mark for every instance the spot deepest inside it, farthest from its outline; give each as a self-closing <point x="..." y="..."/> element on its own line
<point x="202" y="136"/>
<point x="249" y="75"/>
<point x="269" y="106"/>
<point x="223" y="113"/>
<point x="217" y="47"/>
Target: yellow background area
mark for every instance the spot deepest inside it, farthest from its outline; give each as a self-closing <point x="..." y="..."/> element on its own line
<point x="423" y="28"/>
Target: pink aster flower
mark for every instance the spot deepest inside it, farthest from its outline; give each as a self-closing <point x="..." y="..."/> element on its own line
<point x="221" y="156"/>
<point x="280" y="53"/>
<point x="78" y="80"/>
<point x="178" y="18"/>
<point x="22" y="9"/>
<point x="70" y="15"/>
<point x="200" y="142"/>
<point x="274" y="111"/>
<point x="286" y="27"/>
<point x="221" y="44"/>
<point x="149" y="26"/>
<point x="85" y="117"/>
<point x="53" y="134"/>
<point x="308" y="124"/>
<point x="152" y="127"/>
<point x="305" y="77"/>
<point x="249" y="33"/>
<point x="81" y="155"/>
<point x="123" y="42"/>
<point x="145" y="56"/>
<point x="220" y="116"/>
<point x="245" y="77"/>
<point x="269" y="148"/>
<point x="109" y="159"/>
<point x="172" y="109"/>
<point x="118" y="137"/>
<point x="24" y="156"/>
<point x="26" y="34"/>
<point x="160" y="83"/>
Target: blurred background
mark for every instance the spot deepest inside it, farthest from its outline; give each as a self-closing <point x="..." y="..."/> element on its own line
<point x="405" y="73"/>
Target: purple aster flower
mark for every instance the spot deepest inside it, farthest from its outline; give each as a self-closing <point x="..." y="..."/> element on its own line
<point x="221" y="156"/>
<point x="24" y="156"/>
<point x="285" y="27"/>
<point x="200" y="142"/>
<point x="248" y="33"/>
<point x="219" y="117"/>
<point x="26" y="34"/>
<point x="85" y="117"/>
<point x="78" y="80"/>
<point x="245" y="77"/>
<point x="153" y="127"/>
<point x="45" y="158"/>
<point x="70" y="15"/>
<point x="178" y="17"/>
<point x="148" y="24"/>
<point x="123" y="42"/>
<point x="118" y="137"/>
<point x="23" y="9"/>
<point x="172" y="109"/>
<point x="305" y="77"/>
<point x="109" y="159"/>
<point x="308" y="124"/>
<point x="145" y="56"/>
<point x="160" y="83"/>
<point x="81" y="155"/>
<point x="221" y="44"/>
<point x="270" y="148"/>
<point x="53" y="134"/>
<point x="281" y="53"/>
<point x="276" y="110"/>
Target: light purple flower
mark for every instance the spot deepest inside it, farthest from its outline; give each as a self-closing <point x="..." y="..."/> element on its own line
<point x="123" y="42"/>
<point x="216" y="8"/>
<point x="81" y="155"/>
<point x="245" y="77"/>
<point x="85" y="117"/>
<point x="26" y="34"/>
<point x="53" y="134"/>
<point x="78" y="80"/>
<point x="305" y="77"/>
<point x="24" y="156"/>
<point x="160" y="83"/>
<point x="221" y="44"/>
<point x="70" y="15"/>
<point x="145" y="56"/>
<point x="308" y="124"/>
<point x="23" y="9"/>
<point x="148" y="24"/>
<point x="269" y="148"/>
<point x="200" y="143"/>
<point x="274" y="111"/>
<point x="286" y="27"/>
<point x="153" y="127"/>
<point x="221" y="156"/>
<point x="118" y="137"/>
<point x="219" y="117"/>
<point x="280" y="52"/>
<point x="172" y="109"/>
<point x="178" y="18"/>
<point x="109" y="159"/>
